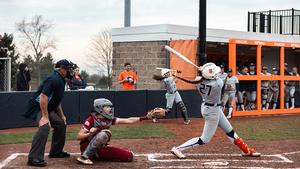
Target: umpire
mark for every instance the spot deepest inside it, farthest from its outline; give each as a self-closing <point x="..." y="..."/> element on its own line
<point x="45" y="109"/>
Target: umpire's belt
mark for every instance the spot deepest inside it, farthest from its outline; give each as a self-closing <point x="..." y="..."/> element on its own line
<point x="173" y="92"/>
<point x="213" y="105"/>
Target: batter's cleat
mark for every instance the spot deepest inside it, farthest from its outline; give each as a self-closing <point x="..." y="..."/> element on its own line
<point x="187" y="122"/>
<point x="292" y="107"/>
<point x="252" y="153"/>
<point x="177" y="153"/>
<point x="228" y="117"/>
<point x="84" y="160"/>
<point x="155" y="120"/>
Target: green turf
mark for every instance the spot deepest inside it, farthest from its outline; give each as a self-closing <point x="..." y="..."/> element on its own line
<point x="283" y="128"/>
<point x="145" y="131"/>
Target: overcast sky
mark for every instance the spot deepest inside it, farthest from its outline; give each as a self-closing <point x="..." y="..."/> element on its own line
<point x="78" y="20"/>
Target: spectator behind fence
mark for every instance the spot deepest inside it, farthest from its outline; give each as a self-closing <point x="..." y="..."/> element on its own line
<point x="77" y="82"/>
<point x="23" y="77"/>
<point x="3" y="52"/>
<point x="128" y="78"/>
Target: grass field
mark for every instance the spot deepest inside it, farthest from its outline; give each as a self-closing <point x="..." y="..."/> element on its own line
<point x="145" y="131"/>
<point x="285" y="128"/>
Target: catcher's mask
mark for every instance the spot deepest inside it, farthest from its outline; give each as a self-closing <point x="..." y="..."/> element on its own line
<point x="66" y="65"/>
<point x="98" y="107"/>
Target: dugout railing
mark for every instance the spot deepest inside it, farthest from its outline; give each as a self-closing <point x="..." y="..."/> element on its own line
<point x="259" y="44"/>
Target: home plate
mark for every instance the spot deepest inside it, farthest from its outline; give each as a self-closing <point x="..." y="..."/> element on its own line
<point x="216" y="163"/>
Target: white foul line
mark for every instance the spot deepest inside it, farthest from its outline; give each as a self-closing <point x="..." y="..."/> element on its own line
<point x="151" y="157"/>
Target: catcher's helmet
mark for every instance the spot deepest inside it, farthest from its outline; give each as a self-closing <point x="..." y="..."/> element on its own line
<point x="98" y="107"/>
<point x="210" y="71"/>
<point x="163" y="72"/>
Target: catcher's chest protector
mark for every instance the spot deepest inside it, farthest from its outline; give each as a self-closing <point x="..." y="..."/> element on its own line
<point x="101" y="124"/>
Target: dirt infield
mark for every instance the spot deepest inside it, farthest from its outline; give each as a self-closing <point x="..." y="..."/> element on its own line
<point x="155" y="153"/>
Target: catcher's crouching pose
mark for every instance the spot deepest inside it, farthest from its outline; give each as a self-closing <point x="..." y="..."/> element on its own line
<point x="172" y="93"/>
<point x="95" y="135"/>
<point x="209" y="87"/>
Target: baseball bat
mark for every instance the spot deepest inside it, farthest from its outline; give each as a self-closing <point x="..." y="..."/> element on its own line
<point x="180" y="56"/>
<point x="159" y="68"/>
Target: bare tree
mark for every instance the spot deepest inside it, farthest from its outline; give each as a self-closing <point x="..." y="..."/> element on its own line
<point x="37" y="39"/>
<point x="100" y="52"/>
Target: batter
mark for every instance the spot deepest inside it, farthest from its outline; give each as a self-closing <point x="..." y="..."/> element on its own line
<point x="209" y="87"/>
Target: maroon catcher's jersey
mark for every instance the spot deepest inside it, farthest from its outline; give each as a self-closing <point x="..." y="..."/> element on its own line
<point x="100" y="124"/>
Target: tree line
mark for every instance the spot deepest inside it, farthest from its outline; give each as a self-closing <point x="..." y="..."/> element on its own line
<point x="37" y="40"/>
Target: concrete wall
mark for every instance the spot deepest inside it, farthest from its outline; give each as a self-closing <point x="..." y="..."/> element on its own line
<point x="144" y="58"/>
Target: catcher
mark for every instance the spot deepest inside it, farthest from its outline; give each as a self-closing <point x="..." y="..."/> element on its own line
<point x="172" y="93"/>
<point x="95" y="135"/>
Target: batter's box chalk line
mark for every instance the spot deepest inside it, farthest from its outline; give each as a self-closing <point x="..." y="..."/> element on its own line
<point x="209" y="162"/>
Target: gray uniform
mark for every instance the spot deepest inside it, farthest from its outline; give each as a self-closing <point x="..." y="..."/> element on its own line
<point x="223" y="76"/>
<point x="275" y="85"/>
<point x="289" y="89"/>
<point x="229" y="91"/>
<point x="173" y="95"/>
<point x="264" y="87"/>
<point x="210" y="91"/>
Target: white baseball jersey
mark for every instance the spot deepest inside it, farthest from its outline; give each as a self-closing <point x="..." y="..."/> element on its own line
<point x="170" y="84"/>
<point x="222" y="76"/>
<point x="293" y="83"/>
<point x="206" y="87"/>
<point x="264" y="83"/>
<point x="230" y="84"/>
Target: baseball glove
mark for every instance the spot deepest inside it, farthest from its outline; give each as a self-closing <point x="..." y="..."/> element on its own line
<point x="156" y="113"/>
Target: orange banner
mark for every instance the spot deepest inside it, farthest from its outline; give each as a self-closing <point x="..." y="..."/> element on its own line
<point x="187" y="48"/>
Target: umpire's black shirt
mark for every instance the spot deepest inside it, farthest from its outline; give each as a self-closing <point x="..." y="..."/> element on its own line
<point x="53" y="86"/>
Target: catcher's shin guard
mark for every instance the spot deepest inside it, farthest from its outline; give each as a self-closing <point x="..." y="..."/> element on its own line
<point x="183" y="111"/>
<point x="97" y="143"/>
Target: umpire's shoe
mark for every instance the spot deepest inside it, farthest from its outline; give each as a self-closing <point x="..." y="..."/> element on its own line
<point x="36" y="162"/>
<point x="62" y="154"/>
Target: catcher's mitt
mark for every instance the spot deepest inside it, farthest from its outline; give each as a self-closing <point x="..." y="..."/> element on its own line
<point x="156" y="113"/>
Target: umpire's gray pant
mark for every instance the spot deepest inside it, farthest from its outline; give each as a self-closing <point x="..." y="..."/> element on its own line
<point x="40" y="138"/>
